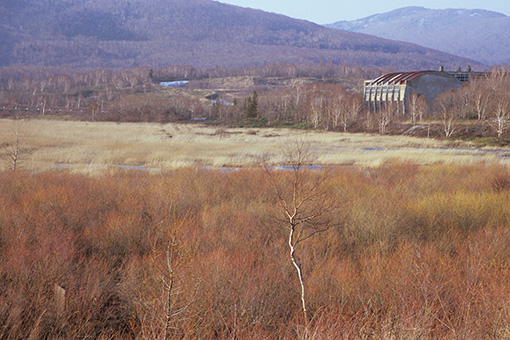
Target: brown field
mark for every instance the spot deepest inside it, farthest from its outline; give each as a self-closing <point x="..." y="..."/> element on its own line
<point x="187" y="252"/>
<point x="91" y="146"/>
<point x="411" y="252"/>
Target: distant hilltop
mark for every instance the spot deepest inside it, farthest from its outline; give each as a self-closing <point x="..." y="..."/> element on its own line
<point x="471" y="33"/>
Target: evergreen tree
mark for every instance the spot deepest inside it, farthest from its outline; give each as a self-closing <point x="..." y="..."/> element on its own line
<point x="250" y="105"/>
<point x="253" y="105"/>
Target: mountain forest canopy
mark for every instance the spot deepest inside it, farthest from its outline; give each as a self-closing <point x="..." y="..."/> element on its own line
<point x="203" y="33"/>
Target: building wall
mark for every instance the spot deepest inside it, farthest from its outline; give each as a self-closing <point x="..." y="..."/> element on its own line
<point x="398" y="88"/>
<point x="430" y="85"/>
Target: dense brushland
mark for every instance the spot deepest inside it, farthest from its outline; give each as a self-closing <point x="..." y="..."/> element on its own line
<point x="411" y="252"/>
<point x="202" y="33"/>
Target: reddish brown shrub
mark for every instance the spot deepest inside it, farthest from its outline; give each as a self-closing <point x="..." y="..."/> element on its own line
<point x="419" y="254"/>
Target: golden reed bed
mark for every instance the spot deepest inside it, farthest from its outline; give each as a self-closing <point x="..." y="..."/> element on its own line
<point x="96" y="146"/>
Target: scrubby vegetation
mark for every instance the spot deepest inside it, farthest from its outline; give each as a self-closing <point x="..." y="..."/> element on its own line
<point x="412" y="252"/>
<point x="326" y="97"/>
<point x="135" y="95"/>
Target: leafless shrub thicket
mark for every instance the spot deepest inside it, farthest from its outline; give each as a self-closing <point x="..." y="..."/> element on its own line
<point x="412" y="252"/>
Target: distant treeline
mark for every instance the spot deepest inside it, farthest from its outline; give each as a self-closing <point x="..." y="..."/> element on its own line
<point x="135" y="94"/>
<point x="322" y="96"/>
<point x="90" y="77"/>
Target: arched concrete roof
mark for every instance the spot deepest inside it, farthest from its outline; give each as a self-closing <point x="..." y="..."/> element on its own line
<point x="401" y="77"/>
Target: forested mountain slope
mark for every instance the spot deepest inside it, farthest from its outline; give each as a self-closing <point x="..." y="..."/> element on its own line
<point x="202" y="33"/>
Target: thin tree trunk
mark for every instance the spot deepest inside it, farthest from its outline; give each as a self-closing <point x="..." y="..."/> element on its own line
<point x="299" y="272"/>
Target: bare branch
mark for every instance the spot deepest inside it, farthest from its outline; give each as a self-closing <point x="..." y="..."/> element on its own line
<point x="305" y="204"/>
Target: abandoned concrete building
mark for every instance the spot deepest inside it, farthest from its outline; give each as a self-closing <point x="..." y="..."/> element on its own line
<point x="397" y="88"/>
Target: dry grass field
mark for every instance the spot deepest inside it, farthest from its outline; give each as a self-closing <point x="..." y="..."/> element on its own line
<point x="93" y="146"/>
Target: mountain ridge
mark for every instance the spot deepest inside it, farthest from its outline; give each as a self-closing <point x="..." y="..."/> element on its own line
<point x="470" y="33"/>
<point x="203" y="33"/>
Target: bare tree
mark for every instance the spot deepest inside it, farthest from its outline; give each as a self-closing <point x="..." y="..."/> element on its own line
<point x="385" y="115"/>
<point x="417" y="107"/>
<point x="42" y="101"/>
<point x="498" y="87"/>
<point x="164" y="309"/>
<point x="345" y="110"/>
<point x="318" y="104"/>
<point x="448" y="109"/>
<point x="501" y="113"/>
<point x="355" y="107"/>
<point x="336" y="111"/>
<point x="480" y="97"/>
<point x="304" y="203"/>
<point x="13" y="149"/>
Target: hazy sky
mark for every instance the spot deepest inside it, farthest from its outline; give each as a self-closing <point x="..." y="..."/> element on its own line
<point x="329" y="11"/>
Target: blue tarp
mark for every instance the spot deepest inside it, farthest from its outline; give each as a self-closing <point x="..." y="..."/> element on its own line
<point x="222" y="102"/>
<point x="174" y="83"/>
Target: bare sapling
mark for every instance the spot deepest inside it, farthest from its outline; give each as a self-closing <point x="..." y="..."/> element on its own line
<point x="13" y="149"/>
<point x="164" y="308"/>
<point x="386" y="115"/>
<point x="418" y="107"/>
<point x="303" y="204"/>
<point x="447" y="106"/>
<point x="501" y="114"/>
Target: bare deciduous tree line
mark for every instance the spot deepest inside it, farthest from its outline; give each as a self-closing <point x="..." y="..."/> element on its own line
<point x="135" y="95"/>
